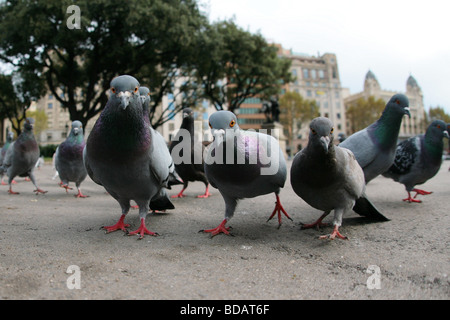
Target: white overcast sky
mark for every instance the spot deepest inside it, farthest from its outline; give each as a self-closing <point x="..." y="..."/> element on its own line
<point x="392" y="38"/>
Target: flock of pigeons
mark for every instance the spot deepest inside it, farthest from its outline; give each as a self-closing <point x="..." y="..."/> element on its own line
<point x="131" y="160"/>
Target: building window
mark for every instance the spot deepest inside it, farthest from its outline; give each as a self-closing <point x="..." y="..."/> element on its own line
<point x="50" y="97"/>
<point x="50" y="105"/>
<point x="313" y="73"/>
<point x="308" y="93"/>
<point x="321" y="74"/>
<point x="305" y="73"/>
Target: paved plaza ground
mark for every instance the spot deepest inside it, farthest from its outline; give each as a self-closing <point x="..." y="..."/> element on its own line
<point x="41" y="236"/>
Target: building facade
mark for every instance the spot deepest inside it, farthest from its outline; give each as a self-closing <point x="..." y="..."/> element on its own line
<point x="410" y="126"/>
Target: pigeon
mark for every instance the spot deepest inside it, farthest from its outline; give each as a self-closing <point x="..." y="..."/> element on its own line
<point x="9" y="140"/>
<point x="190" y="170"/>
<point x="418" y="159"/>
<point x="327" y="177"/>
<point x="161" y="202"/>
<point x="124" y="154"/>
<point x="374" y="147"/>
<point x="243" y="164"/>
<point x="69" y="159"/>
<point x="21" y="157"/>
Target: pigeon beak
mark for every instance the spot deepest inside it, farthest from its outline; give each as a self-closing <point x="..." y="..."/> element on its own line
<point x="124" y="99"/>
<point x="325" y="141"/>
<point x="407" y="112"/>
<point x="218" y="135"/>
<point x="75" y="131"/>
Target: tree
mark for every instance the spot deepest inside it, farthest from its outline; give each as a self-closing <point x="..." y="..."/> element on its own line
<point x="295" y="111"/>
<point x="149" y="39"/>
<point x="16" y="94"/>
<point x="234" y="65"/>
<point x="438" y="113"/>
<point x="364" y="112"/>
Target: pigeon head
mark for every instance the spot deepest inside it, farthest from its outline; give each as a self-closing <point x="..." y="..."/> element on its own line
<point x="438" y="129"/>
<point x="321" y="133"/>
<point x="77" y="127"/>
<point x="144" y="93"/>
<point x="10" y="136"/>
<point x="399" y="104"/>
<point x="29" y="124"/>
<point x="125" y="90"/>
<point x="187" y="112"/>
<point x="222" y="121"/>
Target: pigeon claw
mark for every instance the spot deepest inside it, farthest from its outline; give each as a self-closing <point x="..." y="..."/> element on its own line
<point x="66" y="186"/>
<point x="142" y="230"/>
<point x="120" y="225"/>
<point x="279" y="209"/>
<point x="180" y="195"/>
<point x="39" y="190"/>
<point x="411" y="199"/>
<point x="206" y="194"/>
<point x="334" y="234"/>
<point x="219" y="229"/>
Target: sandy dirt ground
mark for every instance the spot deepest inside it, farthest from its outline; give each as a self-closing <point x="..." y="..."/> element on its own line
<point x="41" y="236"/>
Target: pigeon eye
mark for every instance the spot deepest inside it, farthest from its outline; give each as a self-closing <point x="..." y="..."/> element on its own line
<point x="136" y="90"/>
<point x="232" y="123"/>
<point x="313" y="131"/>
<point x="397" y="101"/>
<point x="113" y="90"/>
<point x="332" y="129"/>
<point x="438" y="126"/>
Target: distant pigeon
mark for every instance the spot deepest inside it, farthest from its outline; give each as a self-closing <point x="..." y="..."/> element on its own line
<point x="193" y="169"/>
<point x="374" y="147"/>
<point x="418" y="159"/>
<point x="327" y="177"/>
<point x="125" y="156"/>
<point x="9" y="140"/>
<point x="69" y="159"/>
<point x="21" y="157"/>
<point x="243" y="164"/>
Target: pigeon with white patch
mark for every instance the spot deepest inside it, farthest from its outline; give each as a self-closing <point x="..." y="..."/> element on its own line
<point x="9" y="140"/>
<point x="21" y="157"/>
<point x="69" y="159"/>
<point x="194" y="168"/>
<point x="126" y="157"/>
<point x="243" y="164"/>
<point x="418" y="159"/>
<point x="327" y="177"/>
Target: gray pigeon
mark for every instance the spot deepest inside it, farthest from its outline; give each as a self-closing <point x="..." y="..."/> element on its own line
<point x="21" y="157"/>
<point x="374" y="147"/>
<point x="69" y="159"/>
<point x="418" y="159"/>
<point x="243" y="164"/>
<point x="327" y="177"/>
<point x="125" y="155"/>
<point x="189" y="170"/>
<point x="158" y="203"/>
<point x="9" y="140"/>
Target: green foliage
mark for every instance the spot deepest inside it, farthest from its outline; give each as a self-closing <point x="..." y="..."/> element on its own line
<point x="234" y="65"/>
<point x="295" y="111"/>
<point x="157" y="41"/>
<point x="364" y="112"/>
<point x="438" y="113"/>
<point x="48" y="150"/>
